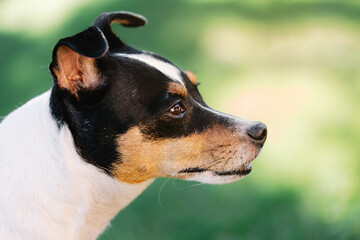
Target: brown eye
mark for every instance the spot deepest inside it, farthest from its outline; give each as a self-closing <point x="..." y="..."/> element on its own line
<point x="177" y="110"/>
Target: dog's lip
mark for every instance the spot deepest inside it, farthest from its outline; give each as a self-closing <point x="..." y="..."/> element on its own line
<point x="242" y="171"/>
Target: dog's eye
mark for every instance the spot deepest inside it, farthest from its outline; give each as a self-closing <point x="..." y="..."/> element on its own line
<point x="177" y="110"/>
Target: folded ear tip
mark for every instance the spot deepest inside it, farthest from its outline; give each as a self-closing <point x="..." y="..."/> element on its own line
<point x="128" y="19"/>
<point x="100" y="44"/>
<point x="136" y="20"/>
<point x="90" y="43"/>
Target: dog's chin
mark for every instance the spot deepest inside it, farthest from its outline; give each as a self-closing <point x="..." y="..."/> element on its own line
<point x="216" y="177"/>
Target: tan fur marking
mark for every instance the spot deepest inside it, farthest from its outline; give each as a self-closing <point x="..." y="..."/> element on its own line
<point x="177" y="89"/>
<point x="216" y="149"/>
<point x="75" y="71"/>
<point x="121" y="21"/>
<point x="192" y="77"/>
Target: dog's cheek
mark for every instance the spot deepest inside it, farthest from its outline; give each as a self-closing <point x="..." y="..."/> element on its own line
<point x="142" y="158"/>
<point x="137" y="158"/>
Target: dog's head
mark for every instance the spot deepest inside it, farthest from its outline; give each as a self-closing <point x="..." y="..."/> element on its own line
<point x="137" y="116"/>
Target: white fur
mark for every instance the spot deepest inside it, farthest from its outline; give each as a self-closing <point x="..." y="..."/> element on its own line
<point x="212" y="178"/>
<point x="46" y="190"/>
<point x="166" y="68"/>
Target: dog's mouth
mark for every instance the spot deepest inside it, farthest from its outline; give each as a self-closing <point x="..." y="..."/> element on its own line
<point x="242" y="171"/>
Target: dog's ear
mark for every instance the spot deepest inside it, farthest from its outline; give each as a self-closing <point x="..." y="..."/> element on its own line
<point x="127" y="19"/>
<point x="73" y="62"/>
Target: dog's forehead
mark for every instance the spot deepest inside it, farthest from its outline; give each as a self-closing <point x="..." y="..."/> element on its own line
<point x="167" y="68"/>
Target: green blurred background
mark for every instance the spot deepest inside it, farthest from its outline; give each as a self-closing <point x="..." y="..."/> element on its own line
<point x="292" y="64"/>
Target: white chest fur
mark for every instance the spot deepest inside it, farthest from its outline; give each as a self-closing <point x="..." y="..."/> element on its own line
<point x="46" y="190"/>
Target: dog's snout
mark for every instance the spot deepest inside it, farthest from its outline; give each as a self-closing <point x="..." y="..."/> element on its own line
<point x="257" y="132"/>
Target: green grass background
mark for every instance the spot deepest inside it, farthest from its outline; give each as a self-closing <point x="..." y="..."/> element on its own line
<point x="292" y="64"/>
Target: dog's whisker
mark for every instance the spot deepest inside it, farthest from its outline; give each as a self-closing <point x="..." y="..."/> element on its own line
<point x="142" y="172"/>
<point x="224" y="165"/>
<point x="193" y="185"/>
<point x="209" y="163"/>
<point x="216" y="147"/>
<point x="213" y="163"/>
<point x="159" y="194"/>
<point x="182" y="188"/>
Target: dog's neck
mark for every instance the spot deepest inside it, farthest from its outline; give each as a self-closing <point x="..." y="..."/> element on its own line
<point x="102" y="194"/>
<point x="59" y="194"/>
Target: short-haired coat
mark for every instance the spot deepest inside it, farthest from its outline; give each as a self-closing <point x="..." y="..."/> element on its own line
<point x="115" y="119"/>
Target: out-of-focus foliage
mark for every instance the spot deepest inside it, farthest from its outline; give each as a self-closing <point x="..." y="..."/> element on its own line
<point x="292" y="64"/>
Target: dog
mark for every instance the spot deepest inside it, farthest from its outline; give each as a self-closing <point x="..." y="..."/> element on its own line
<point x="115" y="119"/>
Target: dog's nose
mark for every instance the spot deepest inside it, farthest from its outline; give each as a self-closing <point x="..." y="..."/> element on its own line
<point x="257" y="132"/>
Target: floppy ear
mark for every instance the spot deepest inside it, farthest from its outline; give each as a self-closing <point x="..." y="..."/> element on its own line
<point x="127" y="19"/>
<point x="73" y="62"/>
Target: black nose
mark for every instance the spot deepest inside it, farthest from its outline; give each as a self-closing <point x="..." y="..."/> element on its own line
<point x="258" y="132"/>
